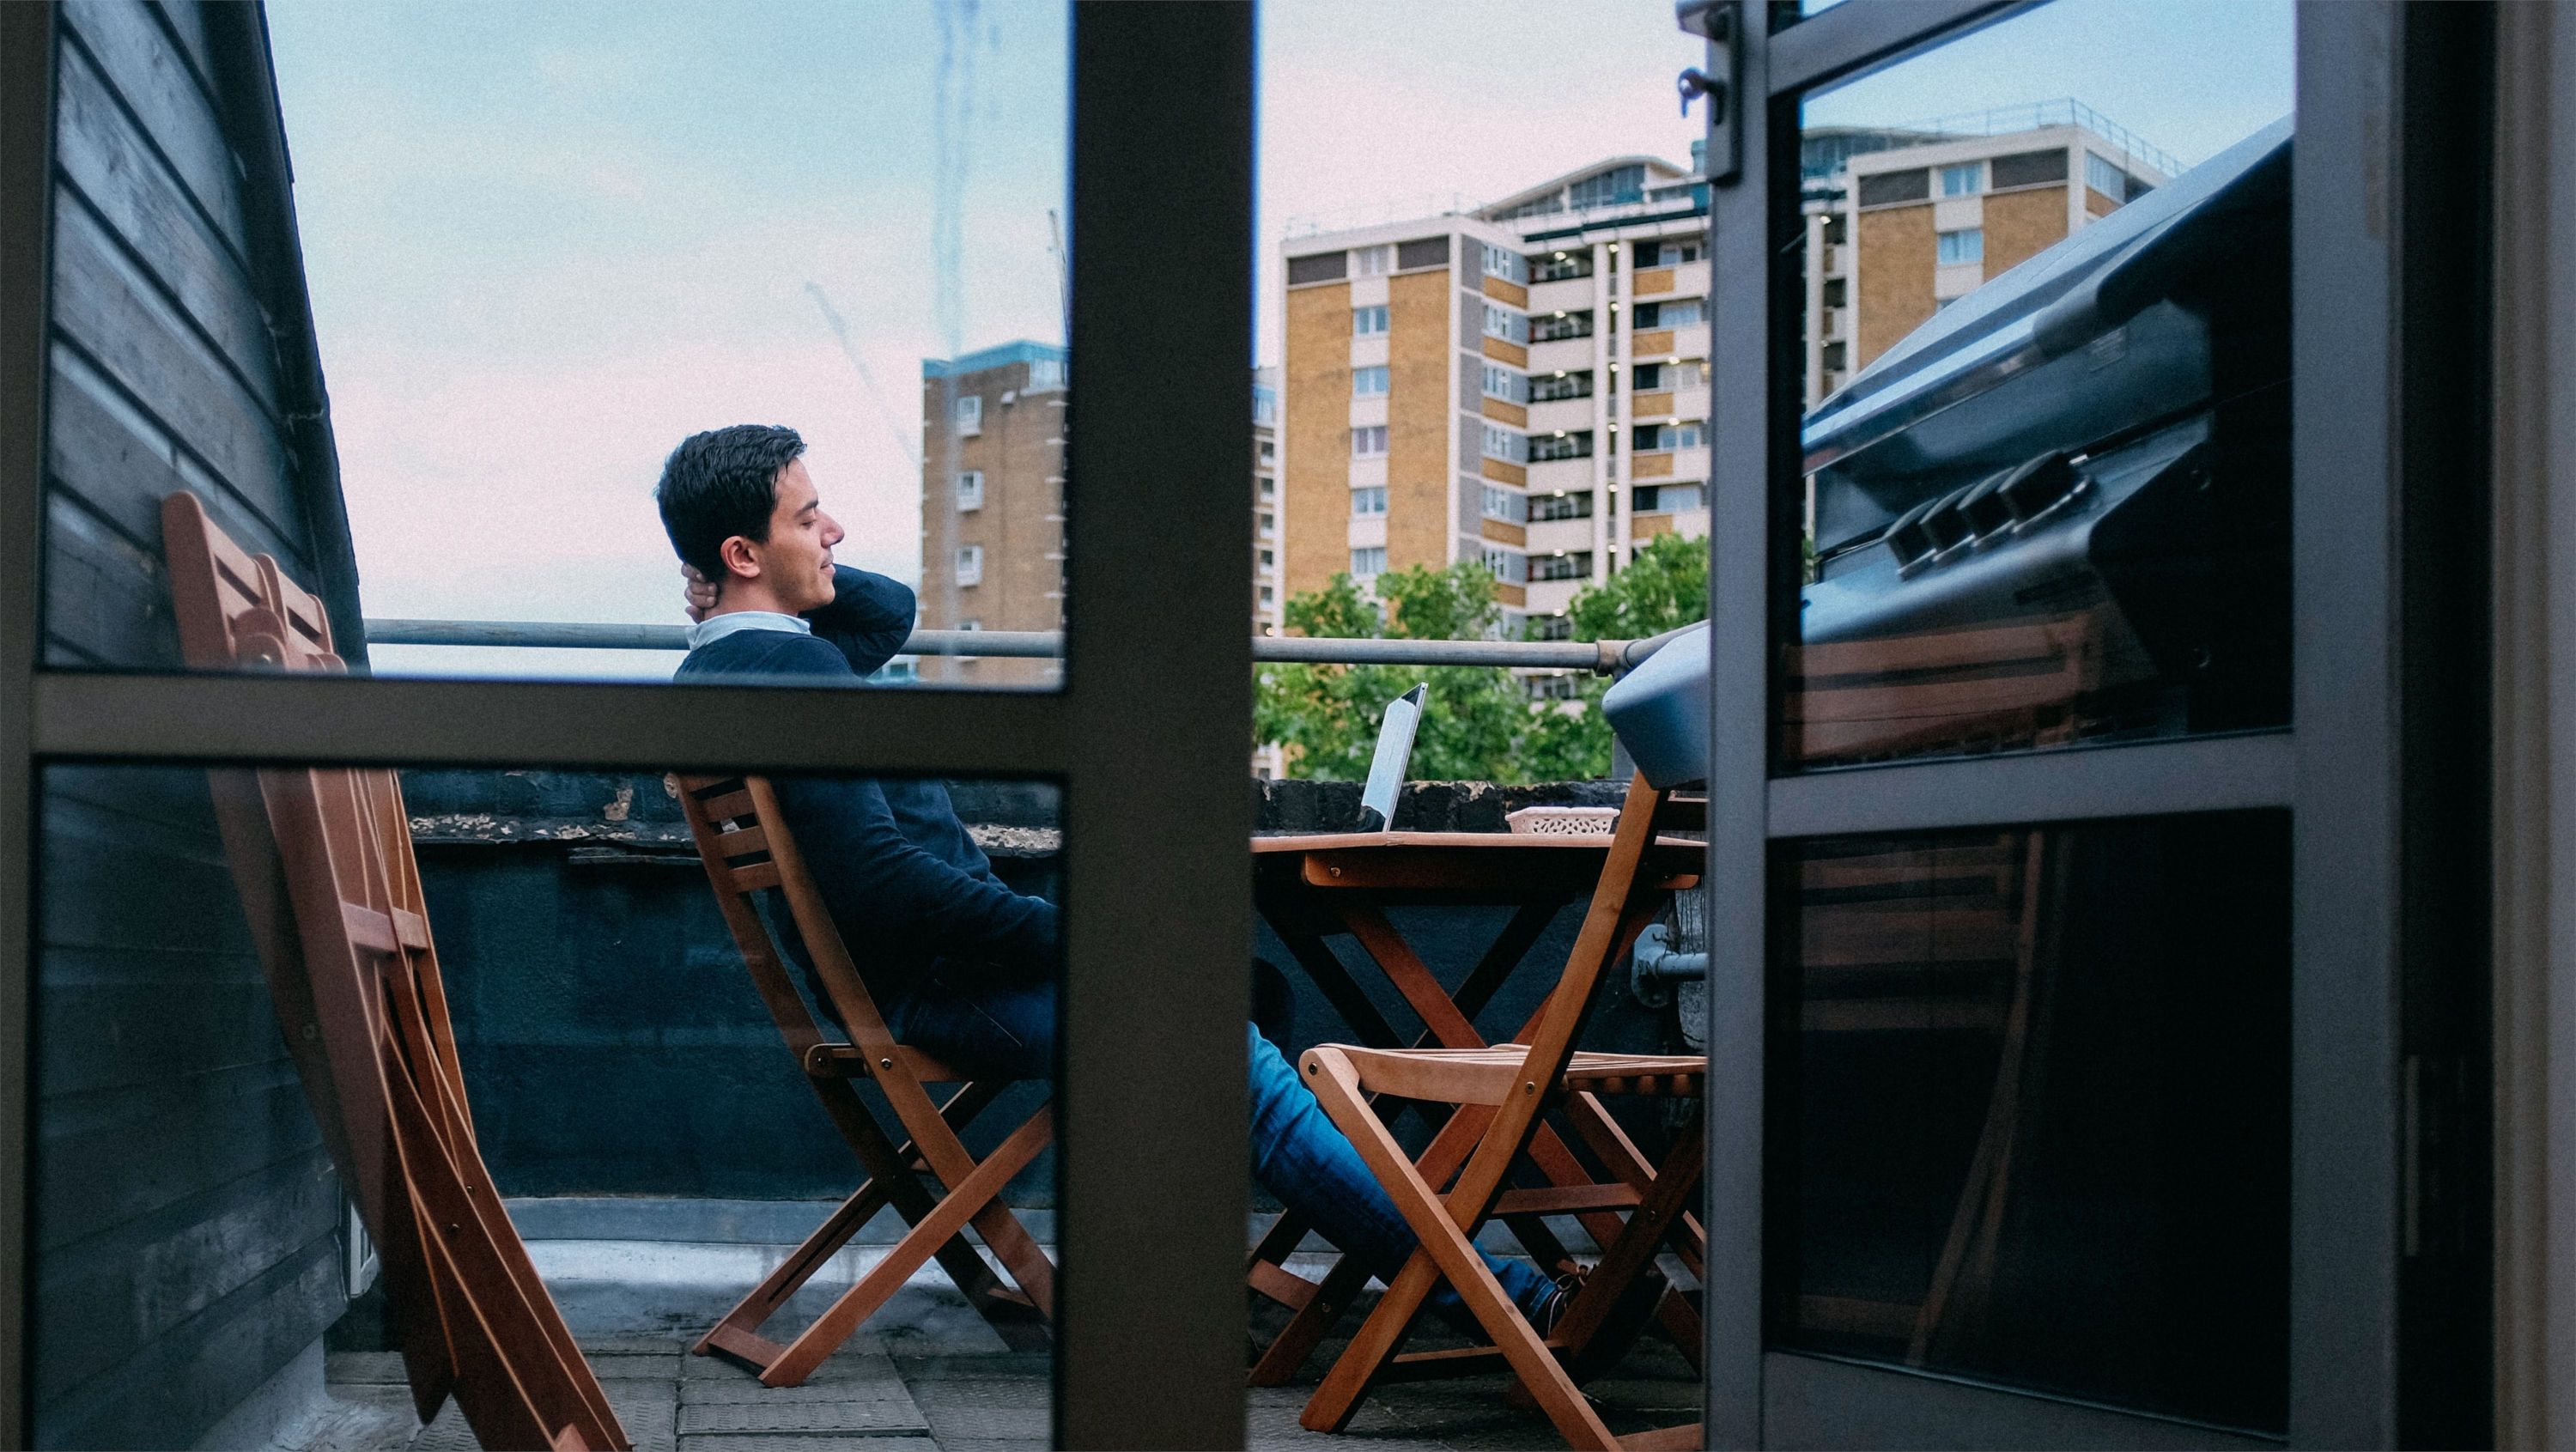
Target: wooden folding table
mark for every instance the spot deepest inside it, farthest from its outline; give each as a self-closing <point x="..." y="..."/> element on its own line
<point x="1315" y="887"/>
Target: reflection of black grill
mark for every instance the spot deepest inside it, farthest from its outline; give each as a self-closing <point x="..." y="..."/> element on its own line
<point x="2060" y="508"/>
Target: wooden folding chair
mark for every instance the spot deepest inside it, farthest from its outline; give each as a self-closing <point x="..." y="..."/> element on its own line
<point x="1501" y="1096"/>
<point x="324" y="863"/>
<point x="747" y="850"/>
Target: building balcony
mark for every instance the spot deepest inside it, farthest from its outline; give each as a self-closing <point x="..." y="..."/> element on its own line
<point x="1565" y="295"/>
<point x="1561" y="354"/>
<point x="1562" y="476"/>
<point x="645" y="1247"/>
<point x="1567" y="414"/>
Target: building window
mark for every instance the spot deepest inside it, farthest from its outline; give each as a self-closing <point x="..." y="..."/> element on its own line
<point x="1502" y="443"/>
<point x="1269" y="596"/>
<point x="1667" y="254"/>
<point x="1558" y="686"/>
<point x="1890" y="187"/>
<point x="1655" y="437"/>
<point x="1563" y="444"/>
<point x="1677" y="377"/>
<point x="1560" y="506"/>
<point x="970" y="491"/>
<point x="1837" y="228"/>
<point x="1368" y="382"/>
<point x="1368" y="322"/>
<point x="1269" y="449"/>
<point x="1503" y="383"/>
<point x="1837" y="292"/>
<point x="1965" y="245"/>
<point x="1504" y="263"/>
<point x="1269" y="558"/>
<point x="1552" y="627"/>
<point x="1614" y="187"/>
<point x="1561" y="325"/>
<point x="1045" y="375"/>
<point x="1368" y="562"/>
<point x="970" y="564"/>
<point x="1665" y="498"/>
<point x="1679" y="313"/>
<point x="1504" y="505"/>
<point x="1549" y="387"/>
<point x="1369" y="442"/>
<point x="1265" y="406"/>
<point x="2103" y="177"/>
<point x="1368" y="501"/>
<point x="1505" y="324"/>
<point x="1557" y="266"/>
<point x="1575" y="566"/>
<point x="2026" y="168"/>
<point x="1966" y="179"/>
<point x="970" y="415"/>
<point x="1372" y="261"/>
<point x="1837" y="353"/>
<point x="1269" y="525"/>
<point x="1509" y="566"/>
<point x="1269" y="488"/>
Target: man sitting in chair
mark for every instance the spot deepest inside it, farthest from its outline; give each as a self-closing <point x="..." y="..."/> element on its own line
<point x="964" y="966"/>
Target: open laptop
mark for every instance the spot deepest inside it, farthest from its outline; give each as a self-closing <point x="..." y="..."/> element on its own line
<point x="1394" y="754"/>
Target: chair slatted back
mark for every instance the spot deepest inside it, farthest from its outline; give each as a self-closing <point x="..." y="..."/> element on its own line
<point x="747" y="849"/>
<point x="1622" y="903"/>
<point x="324" y="861"/>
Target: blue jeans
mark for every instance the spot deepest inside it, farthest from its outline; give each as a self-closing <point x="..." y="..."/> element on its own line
<point x="1298" y="1153"/>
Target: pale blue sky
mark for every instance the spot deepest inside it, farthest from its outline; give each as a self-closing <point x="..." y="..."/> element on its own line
<point x="547" y="240"/>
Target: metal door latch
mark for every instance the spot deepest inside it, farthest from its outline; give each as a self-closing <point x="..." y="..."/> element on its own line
<point x="1695" y="83"/>
<point x="1721" y="24"/>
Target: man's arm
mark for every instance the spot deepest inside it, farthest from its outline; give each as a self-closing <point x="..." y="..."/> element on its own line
<point x="868" y="620"/>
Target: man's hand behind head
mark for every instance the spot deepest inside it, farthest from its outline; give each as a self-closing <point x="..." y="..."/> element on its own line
<point x="698" y="596"/>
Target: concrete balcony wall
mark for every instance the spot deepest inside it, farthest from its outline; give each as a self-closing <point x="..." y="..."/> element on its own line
<point x="1568" y="414"/>
<point x="613" y="1045"/>
<point x="1552" y="476"/>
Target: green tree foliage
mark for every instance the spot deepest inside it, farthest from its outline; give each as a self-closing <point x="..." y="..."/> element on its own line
<point x="1478" y="725"/>
<point x="1665" y="585"/>
<point x="1327" y="715"/>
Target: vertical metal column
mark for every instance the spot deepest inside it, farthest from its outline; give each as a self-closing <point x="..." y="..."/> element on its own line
<point x="26" y="176"/>
<point x="1158" y="669"/>
<point x="1741" y="425"/>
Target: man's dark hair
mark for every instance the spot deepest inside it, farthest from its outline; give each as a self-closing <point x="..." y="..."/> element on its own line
<point x="723" y="483"/>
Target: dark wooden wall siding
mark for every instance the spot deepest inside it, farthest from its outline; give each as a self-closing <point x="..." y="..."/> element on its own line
<point x="188" y="1221"/>
<point x="183" y="352"/>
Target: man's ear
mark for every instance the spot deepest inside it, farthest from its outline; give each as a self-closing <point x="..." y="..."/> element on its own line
<point x="738" y="558"/>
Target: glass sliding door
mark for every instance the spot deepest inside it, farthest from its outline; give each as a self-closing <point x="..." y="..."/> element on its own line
<point x="2056" y="749"/>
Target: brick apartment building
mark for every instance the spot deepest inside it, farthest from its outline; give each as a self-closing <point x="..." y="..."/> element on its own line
<point x="992" y="503"/>
<point x="1526" y="382"/>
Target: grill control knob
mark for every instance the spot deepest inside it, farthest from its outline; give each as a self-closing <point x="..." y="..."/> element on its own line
<point x="2039" y="486"/>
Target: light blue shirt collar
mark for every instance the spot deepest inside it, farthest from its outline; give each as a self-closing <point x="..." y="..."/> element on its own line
<point x="717" y="627"/>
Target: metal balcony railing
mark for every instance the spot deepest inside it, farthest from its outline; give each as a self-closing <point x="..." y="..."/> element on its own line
<point x="1602" y="657"/>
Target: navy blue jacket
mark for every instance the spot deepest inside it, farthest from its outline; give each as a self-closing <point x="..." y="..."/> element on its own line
<point x="908" y="888"/>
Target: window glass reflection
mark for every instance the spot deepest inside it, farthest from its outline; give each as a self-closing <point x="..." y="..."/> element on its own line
<point x="528" y="256"/>
<point x="371" y="1097"/>
<point x="2034" y="1095"/>
<point x="2046" y="374"/>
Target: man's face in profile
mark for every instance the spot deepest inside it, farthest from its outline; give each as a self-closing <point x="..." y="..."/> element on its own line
<point x="796" y="559"/>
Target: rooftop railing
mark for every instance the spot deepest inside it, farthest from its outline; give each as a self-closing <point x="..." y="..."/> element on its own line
<point x="1602" y="657"/>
